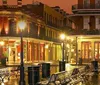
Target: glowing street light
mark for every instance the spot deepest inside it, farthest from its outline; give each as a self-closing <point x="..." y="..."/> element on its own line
<point x="2" y="43"/>
<point x="62" y="36"/>
<point x="22" y="25"/>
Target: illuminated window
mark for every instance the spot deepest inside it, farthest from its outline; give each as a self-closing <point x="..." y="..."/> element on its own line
<point x="86" y="50"/>
<point x="97" y="50"/>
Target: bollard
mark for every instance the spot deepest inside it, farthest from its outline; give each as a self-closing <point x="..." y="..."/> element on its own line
<point x="45" y="70"/>
<point x="33" y="75"/>
<point x="62" y="65"/>
<point x="95" y="66"/>
<point x="80" y="61"/>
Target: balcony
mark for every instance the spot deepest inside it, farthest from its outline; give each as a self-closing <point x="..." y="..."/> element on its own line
<point x="86" y="8"/>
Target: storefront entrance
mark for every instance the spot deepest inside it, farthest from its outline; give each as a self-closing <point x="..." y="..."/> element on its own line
<point x="12" y="55"/>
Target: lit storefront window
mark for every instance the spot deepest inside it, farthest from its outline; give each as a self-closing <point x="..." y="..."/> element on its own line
<point x="86" y="50"/>
<point x="97" y="50"/>
<point x="11" y="49"/>
<point x="41" y="52"/>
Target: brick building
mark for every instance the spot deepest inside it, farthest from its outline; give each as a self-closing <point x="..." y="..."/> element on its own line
<point x="86" y="18"/>
<point x="40" y="37"/>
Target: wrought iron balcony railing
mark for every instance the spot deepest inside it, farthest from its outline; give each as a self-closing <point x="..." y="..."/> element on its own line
<point x="85" y="6"/>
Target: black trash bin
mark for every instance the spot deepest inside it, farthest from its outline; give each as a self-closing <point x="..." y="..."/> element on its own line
<point x="33" y="75"/>
<point x="62" y="65"/>
<point x="3" y="61"/>
<point x="45" y="70"/>
<point x="80" y="61"/>
<point x="95" y="66"/>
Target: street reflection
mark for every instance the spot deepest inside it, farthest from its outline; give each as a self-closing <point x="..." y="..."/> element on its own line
<point x="95" y="79"/>
<point x="2" y="83"/>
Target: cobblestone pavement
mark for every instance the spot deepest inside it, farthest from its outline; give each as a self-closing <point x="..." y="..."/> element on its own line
<point x="94" y="80"/>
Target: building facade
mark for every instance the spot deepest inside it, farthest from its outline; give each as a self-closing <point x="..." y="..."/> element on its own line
<point x="40" y="37"/>
<point x="86" y="17"/>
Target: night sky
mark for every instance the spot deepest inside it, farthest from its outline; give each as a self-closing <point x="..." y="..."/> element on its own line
<point x="64" y="4"/>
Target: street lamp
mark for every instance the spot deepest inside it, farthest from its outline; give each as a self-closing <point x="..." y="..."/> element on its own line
<point x="62" y="63"/>
<point x="62" y="36"/>
<point x="21" y="25"/>
<point x="2" y="43"/>
<point x="76" y="52"/>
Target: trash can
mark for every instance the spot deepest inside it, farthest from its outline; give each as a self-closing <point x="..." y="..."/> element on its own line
<point x="95" y="66"/>
<point x="33" y="75"/>
<point x="62" y="66"/>
<point x="45" y="70"/>
<point x="3" y="61"/>
<point x="80" y="61"/>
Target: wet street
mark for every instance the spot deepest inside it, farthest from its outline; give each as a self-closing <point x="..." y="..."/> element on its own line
<point x="15" y="81"/>
<point x="94" y="79"/>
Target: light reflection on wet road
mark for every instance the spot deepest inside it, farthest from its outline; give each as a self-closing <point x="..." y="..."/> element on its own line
<point x="95" y="80"/>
